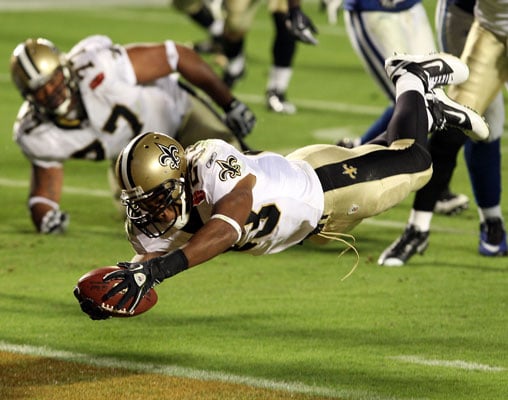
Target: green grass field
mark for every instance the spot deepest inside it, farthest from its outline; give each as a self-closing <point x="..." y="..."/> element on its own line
<point x="436" y="329"/>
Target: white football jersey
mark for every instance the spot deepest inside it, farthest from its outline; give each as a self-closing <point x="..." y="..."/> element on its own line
<point x="117" y="107"/>
<point x="287" y="198"/>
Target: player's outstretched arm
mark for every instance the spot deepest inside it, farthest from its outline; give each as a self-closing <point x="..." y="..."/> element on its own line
<point x="225" y="227"/>
<point x="221" y="232"/>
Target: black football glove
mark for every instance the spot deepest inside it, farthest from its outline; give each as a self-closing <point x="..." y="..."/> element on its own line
<point x="54" y="221"/>
<point x="239" y="118"/>
<point x="300" y="26"/>
<point x="88" y="307"/>
<point x="138" y="278"/>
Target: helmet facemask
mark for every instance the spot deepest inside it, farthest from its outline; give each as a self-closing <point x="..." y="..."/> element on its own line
<point x="145" y="210"/>
<point x="60" y="101"/>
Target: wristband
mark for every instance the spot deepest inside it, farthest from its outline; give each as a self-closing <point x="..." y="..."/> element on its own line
<point x="168" y="265"/>
<point x="171" y="54"/>
<point x="42" y="200"/>
<point x="231" y="222"/>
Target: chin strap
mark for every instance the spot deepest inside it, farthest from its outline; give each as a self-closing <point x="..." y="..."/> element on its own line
<point x="68" y="123"/>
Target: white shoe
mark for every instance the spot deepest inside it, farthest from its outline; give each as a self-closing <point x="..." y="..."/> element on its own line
<point x="435" y="70"/>
<point x="450" y="203"/>
<point x="276" y="102"/>
<point x="446" y="112"/>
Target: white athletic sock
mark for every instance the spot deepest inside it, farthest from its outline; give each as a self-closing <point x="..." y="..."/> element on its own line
<point x="217" y="27"/>
<point x="420" y="220"/>
<point x="278" y="78"/>
<point x="236" y="65"/>
<point x="491" y="212"/>
<point x="407" y="82"/>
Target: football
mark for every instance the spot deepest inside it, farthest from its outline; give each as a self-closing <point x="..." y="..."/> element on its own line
<point x="91" y="287"/>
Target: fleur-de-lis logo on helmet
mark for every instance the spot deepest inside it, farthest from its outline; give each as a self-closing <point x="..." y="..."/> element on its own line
<point x="169" y="157"/>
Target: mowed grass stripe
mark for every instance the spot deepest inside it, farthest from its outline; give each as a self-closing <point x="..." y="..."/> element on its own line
<point x="190" y="373"/>
<point x="43" y="378"/>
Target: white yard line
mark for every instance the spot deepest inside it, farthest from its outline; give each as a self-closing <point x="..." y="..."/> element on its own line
<point x="72" y="190"/>
<point x="459" y="364"/>
<point x="321" y="105"/>
<point x="184" y="372"/>
<point x="15" y="183"/>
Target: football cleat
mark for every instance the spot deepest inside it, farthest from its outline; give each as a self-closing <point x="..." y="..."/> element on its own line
<point x="492" y="238"/>
<point x="276" y="102"/>
<point x="450" y="203"/>
<point x="402" y="249"/>
<point x="435" y="70"/>
<point x="448" y="113"/>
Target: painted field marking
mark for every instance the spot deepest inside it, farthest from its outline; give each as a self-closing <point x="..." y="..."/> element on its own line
<point x="321" y="105"/>
<point x="184" y="372"/>
<point x="15" y="183"/>
<point x="374" y="221"/>
<point x="460" y="364"/>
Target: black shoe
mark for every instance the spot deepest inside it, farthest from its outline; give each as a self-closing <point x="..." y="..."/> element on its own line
<point x="492" y="238"/>
<point x="400" y="251"/>
<point x="450" y="203"/>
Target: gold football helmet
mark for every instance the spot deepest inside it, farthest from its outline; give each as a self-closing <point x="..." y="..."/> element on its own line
<point x="152" y="171"/>
<point x="43" y="77"/>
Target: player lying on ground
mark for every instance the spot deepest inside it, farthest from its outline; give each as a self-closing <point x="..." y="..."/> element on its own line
<point x="90" y="102"/>
<point x="185" y="207"/>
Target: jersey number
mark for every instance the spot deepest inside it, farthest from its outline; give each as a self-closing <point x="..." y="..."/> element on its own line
<point x="268" y="217"/>
<point x="120" y="111"/>
<point x="95" y="151"/>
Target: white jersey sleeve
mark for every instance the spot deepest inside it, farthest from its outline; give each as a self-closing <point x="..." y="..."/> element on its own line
<point x="143" y="244"/>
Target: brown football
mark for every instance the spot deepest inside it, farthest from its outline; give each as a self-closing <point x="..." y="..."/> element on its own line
<point x="91" y="286"/>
